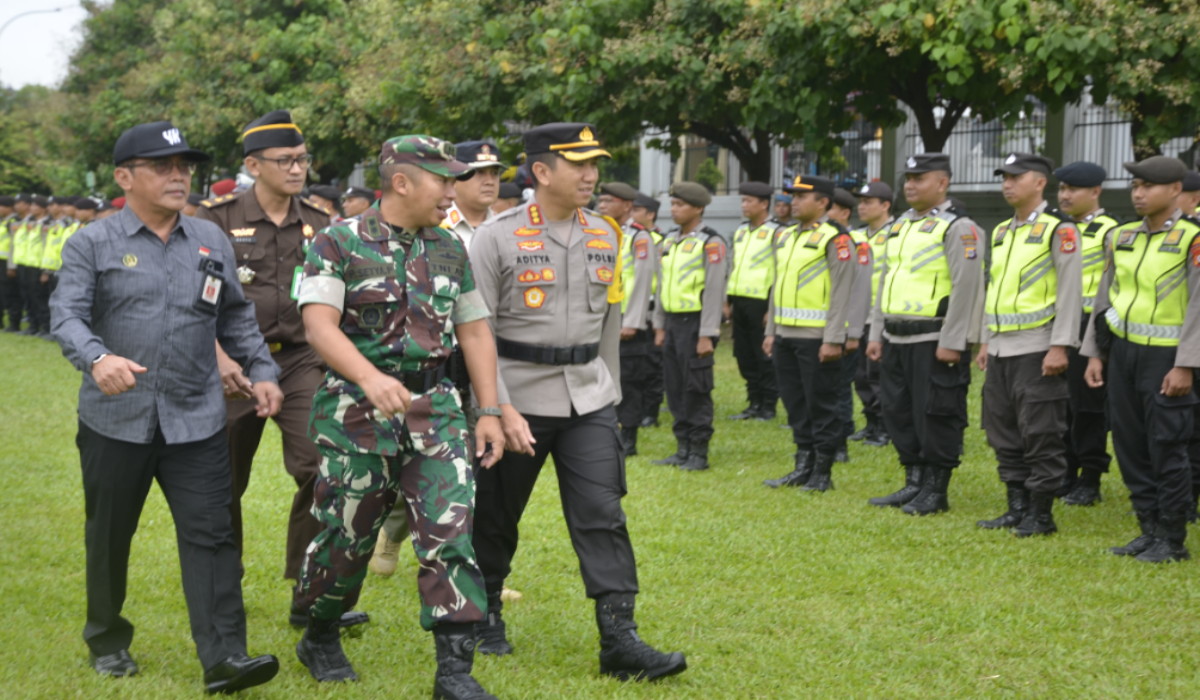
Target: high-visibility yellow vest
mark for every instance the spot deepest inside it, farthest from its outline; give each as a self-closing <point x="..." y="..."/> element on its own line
<point x="1022" y="280"/>
<point x="627" y="254"/>
<point x="28" y="234"/>
<point x="802" y="281"/>
<point x="55" y="240"/>
<point x="7" y="224"/>
<point x="1149" y="289"/>
<point x="684" y="271"/>
<point x="753" y="260"/>
<point x="918" y="281"/>
<point x="878" y="243"/>
<point x="1091" y="247"/>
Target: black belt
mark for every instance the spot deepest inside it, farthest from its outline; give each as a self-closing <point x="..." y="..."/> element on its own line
<point x="421" y="381"/>
<point x="908" y="327"/>
<point x="548" y="354"/>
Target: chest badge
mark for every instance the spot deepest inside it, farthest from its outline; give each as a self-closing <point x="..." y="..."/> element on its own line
<point x="245" y="275"/>
<point x="130" y="260"/>
<point x="242" y="232"/>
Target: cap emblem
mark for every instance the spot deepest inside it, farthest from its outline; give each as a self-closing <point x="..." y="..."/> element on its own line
<point x="172" y="136"/>
<point x="911" y="162"/>
<point x="1012" y="158"/>
<point x="586" y="135"/>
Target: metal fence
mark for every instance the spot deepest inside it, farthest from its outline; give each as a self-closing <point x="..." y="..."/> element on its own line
<point x="977" y="147"/>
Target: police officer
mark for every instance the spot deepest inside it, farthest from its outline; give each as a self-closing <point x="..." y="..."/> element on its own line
<point x="782" y="209"/>
<point x="549" y="270"/>
<point x="1189" y="198"/>
<point x="356" y="200"/>
<point x="28" y="245"/>
<point x="807" y="315"/>
<point x="60" y="232"/>
<point x="842" y="207"/>
<point x="380" y="297"/>
<point x="14" y="300"/>
<point x="926" y="315"/>
<point x="645" y="214"/>
<point x="7" y="217"/>
<point x="753" y="272"/>
<point x="477" y="194"/>
<point x="1032" y="312"/>
<point x="270" y="226"/>
<point x="1146" y="329"/>
<point x="687" y="322"/>
<point x="875" y="211"/>
<point x="1079" y="186"/>
<point x="327" y="197"/>
<point x="639" y="281"/>
<point x="840" y="212"/>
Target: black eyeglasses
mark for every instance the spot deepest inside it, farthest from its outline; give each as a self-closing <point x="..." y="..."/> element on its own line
<point x="164" y="167"/>
<point x="288" y="163"/>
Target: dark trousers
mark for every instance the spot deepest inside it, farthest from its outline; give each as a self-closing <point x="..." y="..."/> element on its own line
<point x="809" y="389"/>
<point x="924" y="403"/>
<point x="753" y="364"/>
<point x="845" y="391"/>
<point x="688" y="379"/>
<point x="653" y="398"/>
<point x="1150" y="430"/>
<point x="4" y="293"/>
<point x="1087" y="422"/>
<point x="866" y="381"/>
<point x="637" y="373"/>
<point x="591" y="481"/>
<point x="30" y="279"/>
<point x="14" y="302"/>
<point x="300" y="373"/>
<point x="1025" y="416"/>
<point x="194" y="478"/>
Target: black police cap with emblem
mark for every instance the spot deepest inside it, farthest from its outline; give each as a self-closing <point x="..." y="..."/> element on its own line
<point x="478" y="155"/>
<point x="362" y="192"/>
<point x="647" y="202"/>
<point x="574" y="141"/>
<point x="1158" y="170"/>
<point x="271" y="130"/>
<point x="693" y="193"/>
<point x="753" y="188"/>
<point x="810" y="183"/>
<point x="1021" y="163"/>
<point x="878" y="189"/>
<point x="1081" y="173"/>
<point x="154" y="140"/>
<point x="41" y="201"/>
<point x="927" y="163"/>
<point x="1191" y="181"/>
<point x="620" y="190"/>
<point x="86" y="203"/>
<point x="25" y="198"/>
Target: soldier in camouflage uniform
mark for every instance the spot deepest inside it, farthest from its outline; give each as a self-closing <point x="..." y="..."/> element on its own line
<point x="380" y="298"/>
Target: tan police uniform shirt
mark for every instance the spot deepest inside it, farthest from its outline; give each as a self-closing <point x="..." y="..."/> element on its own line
<point x="646" y="259"/>
<point x="270" y="258"/>
<point x="542" y="291"/>
<point x="457" y="222"/>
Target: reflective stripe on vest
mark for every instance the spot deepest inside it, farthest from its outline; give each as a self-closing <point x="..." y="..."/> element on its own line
<point x="1091" y="248"/>
<point x="753" y="261"/>
<point x="1149" y="291"/>
<point x="683" y="274"/>
<point x="802" y="281"/>
<point x="918" y="274"/>
<point x="1022" y="282"/>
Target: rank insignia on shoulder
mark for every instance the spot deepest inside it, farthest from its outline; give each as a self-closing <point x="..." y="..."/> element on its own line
<point x="1127" y="238"/>
<point x="1035" y="236"/>
<point x="1173" y="237"/>
<point x="242" y="232"/>
<point x="582" y="219"/>
<point x="454" y="217"/>
<point x="535" y="215"/>
<point x="527" y="231"/>
<point x="927" y="225"/>
<point x="815" y="237"/>
<point x="689" y="246"/>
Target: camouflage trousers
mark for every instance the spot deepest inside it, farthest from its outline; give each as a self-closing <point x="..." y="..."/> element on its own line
<point x="353" y="496"/>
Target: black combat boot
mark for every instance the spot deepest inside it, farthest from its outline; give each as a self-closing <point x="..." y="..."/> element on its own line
<point x="1169" y="535"/>
<point x="907" y="492"/>
<point x="766" y="410"/>
<point x="455" y="657"/>
<point x="1018" y="503"/>
<point x="933" y="498"/>
<point x="623" y="655"/>
<point x="841" y="454"/>
<point x="1039" y="518"/>
<point x="862" y="433"/>
<point x="697" y="459"/>
<point x="1086" y="491"/>
<point x="320" y="649"/>
<point x="821" y="478"/>
<point x="490" y="637"/>
<point x="878" y="436"/>
<point x="751" y="411"/>
<point x="800" y="472"/>
<point x="1147" y="519"/>
<point x="629" y="440"/>
<point x="677" y="459"/>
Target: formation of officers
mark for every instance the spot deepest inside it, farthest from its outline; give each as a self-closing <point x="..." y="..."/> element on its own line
<point x="426" y="353"/>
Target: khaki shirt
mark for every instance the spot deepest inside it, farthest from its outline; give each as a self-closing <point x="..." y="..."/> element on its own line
<point x="542" y="292"/>
<point x="270" y="258"/>
<point x="457" y="222"/>
<point x="646" y="259"/>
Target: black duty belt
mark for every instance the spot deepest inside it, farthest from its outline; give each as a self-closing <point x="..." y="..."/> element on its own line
<point x="421" y="381"/>
<point x="910" y="327"/>
<point x="548" y="354"/>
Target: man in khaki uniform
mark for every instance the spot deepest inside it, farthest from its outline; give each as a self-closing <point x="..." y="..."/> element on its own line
<point x="549" y="272"/>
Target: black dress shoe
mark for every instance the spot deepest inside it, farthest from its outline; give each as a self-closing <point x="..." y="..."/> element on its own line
<point x="238" y="672"/>
<point x="649" y="422"/>
<point x="117" y="665"/>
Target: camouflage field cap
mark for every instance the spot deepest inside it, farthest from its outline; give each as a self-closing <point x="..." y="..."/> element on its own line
<point x="426" y="152"/>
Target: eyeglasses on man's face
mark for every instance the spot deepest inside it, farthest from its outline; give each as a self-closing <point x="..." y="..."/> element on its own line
<point x="163" y="167"/>
<point x="288" y="163"/>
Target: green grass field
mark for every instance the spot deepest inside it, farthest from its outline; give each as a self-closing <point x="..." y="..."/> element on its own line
<point x="772" y="594"/>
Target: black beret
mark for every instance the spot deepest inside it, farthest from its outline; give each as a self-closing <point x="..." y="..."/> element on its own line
<point x="7" y="201"/>
<point x="154" y="140"/>
<point x="878" y="189"/>
<point x="620" y="190"/>
<point x="927" y="162"/>
<point x="509" y="190"/>
<point x="271" y="130"/>
<point x="86" y="203"/>
<point x="810" y="183"/>
<point x="1020" y="163"/>
<point x="479" y="155"/>
<point x="359" y="192"/>
<point x="574" y="141"/>
<point x="1191" y="181"/>
<point x="647" y="202"/>
<point x="844" y="198"/>
<point x="1158" y="170"/>
<point x="329" y="192"/>
<point x="1081" y="173"/>
<point x="753" y="188"/>
<point x="41" y="201"/>
<point x="693" y="193"/>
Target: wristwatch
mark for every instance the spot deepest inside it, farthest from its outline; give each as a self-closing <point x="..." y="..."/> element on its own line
<point x="489" y="411"/>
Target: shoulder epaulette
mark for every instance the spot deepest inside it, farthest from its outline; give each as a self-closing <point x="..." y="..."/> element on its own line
<point x="313" y="205"/>
<point x="1057" y="214"/>
<point x="838" y="227"/>
<point x="223" y="199"/>
<point x="1191" y="219"/>
<point x="949" y="214"/>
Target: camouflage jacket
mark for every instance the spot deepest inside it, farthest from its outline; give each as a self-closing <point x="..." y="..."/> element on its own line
<point x="400" y="294"/>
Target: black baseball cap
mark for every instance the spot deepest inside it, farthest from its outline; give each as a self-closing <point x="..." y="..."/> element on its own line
<point x="154" y="140"/>
<point x="878" y="189"/>
<point x="1021" y="163"/>
<point x="363" y="192"/>
<point x="927" y="162"/>
<point x="843" y="198"/>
